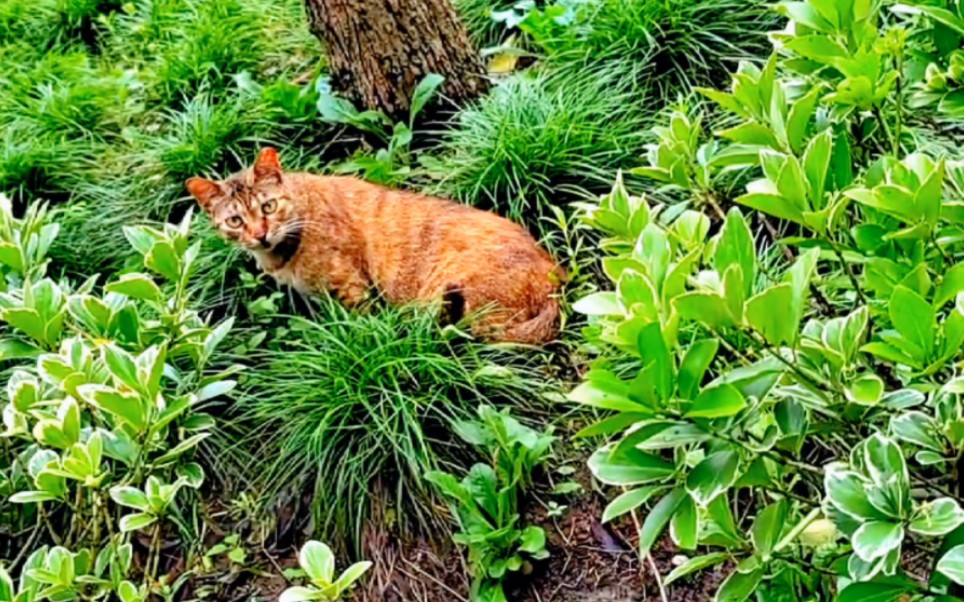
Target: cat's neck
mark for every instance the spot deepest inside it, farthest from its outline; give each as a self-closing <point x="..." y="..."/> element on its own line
<point x="279" y="256"/>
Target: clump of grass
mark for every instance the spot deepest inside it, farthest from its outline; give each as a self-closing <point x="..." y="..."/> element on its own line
<point x="357" y="398"/>
<point x="679" y="43"/>
<point x="542" y="139"/>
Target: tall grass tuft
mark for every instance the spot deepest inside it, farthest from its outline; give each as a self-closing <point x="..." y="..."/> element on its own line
<point x="542" y="139"/>
<point x="677" y="43"/>
<point x="355" y="398"/>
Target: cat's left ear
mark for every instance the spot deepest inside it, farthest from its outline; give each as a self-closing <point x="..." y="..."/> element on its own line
<point x="267" y="168"/>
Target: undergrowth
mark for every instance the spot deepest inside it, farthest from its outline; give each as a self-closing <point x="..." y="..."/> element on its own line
<point x="348" y="403"/>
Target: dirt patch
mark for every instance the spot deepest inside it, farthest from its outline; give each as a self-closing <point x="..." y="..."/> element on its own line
<point x="589" y="562"/>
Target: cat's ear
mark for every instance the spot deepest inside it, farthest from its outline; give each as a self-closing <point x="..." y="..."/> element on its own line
<point x="204" y="191"/>
<point x="267" y="168"/>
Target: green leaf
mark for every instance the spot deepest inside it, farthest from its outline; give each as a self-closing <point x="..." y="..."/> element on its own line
<point x="31" y="497"/>
<point x="685" y="526"/>
<point x="598" y="304"/>
<point x="766" y="528"/>
<point x="913" y="317"/>
<point x="318" y="561"/>
<point x="532" y="540"/>
<point x="300" y="594"/>
<point x="352" y="574"/>
<point x="126" y="406"/>
<point x="695" y="564"/>
<point x="706" y="308"/>
<point x="629" y="501"/>
<point x="697" y="360"/>
<point x="122" y="366"/>
<point x="711" y="477"/>
<point x="766" y="313"/>
<point x="798" y="276"/>
<point x="216" y="389"/>
<point x="847" y="491"/>
<point x="951" y="564"/>
<point x="866" y="390"/>
<point x="874" y="592"/>
<point x="163" y="259"/>
<point x="423" y="93"/>
<point x="941" y="15"/>
<point x="735" y="247"/>
<point x="799" y="120"/>
<point x="130" y="497"/>
<point x="628" y="466"/>
<point x="717" y="402"/>
<point x="951" y="284"/>
<point x="816" y="163"/>
<point x="655" y="521"/>
<point x="605" y="390"/>
<point x="937" y="517"/>
<point x="136" y="522"/>
<point x="876" y="539"/>
<point x="137" y="286"/>
<point x="738" y="586"/>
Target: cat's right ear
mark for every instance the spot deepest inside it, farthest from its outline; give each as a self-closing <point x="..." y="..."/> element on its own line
<point x="203" y="190"/>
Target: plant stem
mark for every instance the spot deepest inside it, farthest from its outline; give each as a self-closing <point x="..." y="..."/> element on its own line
<point x="850" y="274"/>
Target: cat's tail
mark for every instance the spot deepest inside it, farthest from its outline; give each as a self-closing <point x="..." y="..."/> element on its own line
<point x="538" y="330"/>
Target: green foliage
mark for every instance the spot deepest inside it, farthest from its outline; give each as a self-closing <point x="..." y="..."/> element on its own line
<point x="390" y="165"/>
<point x="101" y="413"/>
<point x="678" y="43"/>
<point x="540" y="139"/>
<point x="824" y="384"/>
<point x="359" y="399"/>
<point x="318" y="562"/>
<point x="486" y="501"/>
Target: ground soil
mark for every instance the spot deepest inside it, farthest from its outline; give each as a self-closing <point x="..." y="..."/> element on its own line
<point x="589" y="562"/>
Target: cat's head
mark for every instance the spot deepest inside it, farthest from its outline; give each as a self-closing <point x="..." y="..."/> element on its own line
<point x="253" y="206"/>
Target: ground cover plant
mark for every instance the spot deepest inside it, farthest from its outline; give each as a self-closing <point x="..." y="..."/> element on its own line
<point x="798" y="419"/>
<point x="757" y="395"/>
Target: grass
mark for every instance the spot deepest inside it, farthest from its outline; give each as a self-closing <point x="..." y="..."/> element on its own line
<point x="678" y="43"/>
<point x="349" y="399"/>
<point x="541" y="140"/>
<point x="477" y="17"/>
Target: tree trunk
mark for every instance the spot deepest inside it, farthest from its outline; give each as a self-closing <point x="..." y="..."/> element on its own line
<point x="378" y="50"/>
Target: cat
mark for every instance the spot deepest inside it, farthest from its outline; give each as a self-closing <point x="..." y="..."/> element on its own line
<point x="350" y="237"/>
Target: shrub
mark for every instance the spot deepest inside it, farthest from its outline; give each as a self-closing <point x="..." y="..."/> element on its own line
<point x="782" y="415"/>
<point x="345" y="401"/>
<point x="100" y="418"/>
<point x="539" y="140"/>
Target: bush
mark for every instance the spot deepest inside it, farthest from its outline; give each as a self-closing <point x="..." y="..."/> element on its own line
<point x="799" y="418"/>
<point x="676" y="43"/>
<point x="540" y="140"/>
<point x="100" y="417"/>
<point x="350" y="400"/>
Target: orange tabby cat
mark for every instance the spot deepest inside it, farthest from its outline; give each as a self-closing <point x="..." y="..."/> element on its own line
<point x="348" y="236"/>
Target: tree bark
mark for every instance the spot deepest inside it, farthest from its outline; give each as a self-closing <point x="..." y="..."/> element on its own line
<point x="378" y="50"/>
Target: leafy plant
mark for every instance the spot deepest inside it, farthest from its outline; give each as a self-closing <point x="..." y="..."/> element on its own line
<point x="102" y="406"/>
<point x="805" y="367"/>
<point x="318" y="562"/>
<point x="486" y="501"/>
<point x="392" y="163"/>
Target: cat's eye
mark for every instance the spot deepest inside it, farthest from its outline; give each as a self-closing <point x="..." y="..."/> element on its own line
<point x="269" y="206"/>
<point x="235" y="221"/>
